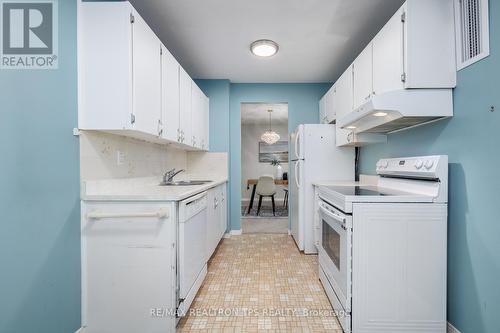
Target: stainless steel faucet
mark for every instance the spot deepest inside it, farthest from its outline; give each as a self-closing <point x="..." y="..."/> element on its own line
<point x="169" y="175"/>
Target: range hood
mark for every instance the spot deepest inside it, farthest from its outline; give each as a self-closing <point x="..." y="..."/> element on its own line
<point x="397" y="110"/>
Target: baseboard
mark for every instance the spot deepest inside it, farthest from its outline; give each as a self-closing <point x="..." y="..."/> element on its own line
<point x="289" y="232"/>
<point x="235" y="232"/>
<point x="227" y="235"/>
<point x="80" y="330"/>
<point x="451" y="329"/>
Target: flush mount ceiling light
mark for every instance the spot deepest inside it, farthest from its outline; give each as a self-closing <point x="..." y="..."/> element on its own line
<point x="270" y="136"/>
<point x="380" y="114"/>
<point x="351" y="127"/>
<point x="264" y="48"/>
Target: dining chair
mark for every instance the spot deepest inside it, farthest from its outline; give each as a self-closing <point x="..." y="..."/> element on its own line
<point x="266" y="188"/>
<point x="285" y="199"/>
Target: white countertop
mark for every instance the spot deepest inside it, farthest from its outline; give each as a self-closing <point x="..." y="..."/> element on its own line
<point x="143" y="189"/>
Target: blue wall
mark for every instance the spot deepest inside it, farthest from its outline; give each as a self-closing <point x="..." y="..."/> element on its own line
<point x="39" y="197"/>
<point x="471" y="139"/>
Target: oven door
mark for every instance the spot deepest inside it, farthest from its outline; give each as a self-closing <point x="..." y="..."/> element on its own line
<point x="335" y="252"/>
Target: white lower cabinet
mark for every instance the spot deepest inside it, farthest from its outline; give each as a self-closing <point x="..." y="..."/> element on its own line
<point x="216" y="217"/>
<point x="128" y="267"/>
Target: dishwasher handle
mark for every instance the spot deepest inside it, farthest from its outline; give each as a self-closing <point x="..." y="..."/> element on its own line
<point x="162" y="213"/>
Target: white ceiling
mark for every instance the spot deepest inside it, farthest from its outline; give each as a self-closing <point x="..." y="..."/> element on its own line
<point x="318" y="39"/>
<point x="256" y="113"/>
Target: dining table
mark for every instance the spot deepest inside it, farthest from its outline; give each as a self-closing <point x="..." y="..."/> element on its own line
<point x="253" y="182"/>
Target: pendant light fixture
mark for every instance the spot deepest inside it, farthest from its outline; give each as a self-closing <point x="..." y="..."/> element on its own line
<point x="270" y="136"/>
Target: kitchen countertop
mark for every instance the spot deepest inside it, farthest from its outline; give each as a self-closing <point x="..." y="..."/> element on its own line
<point x="143" y="189"/>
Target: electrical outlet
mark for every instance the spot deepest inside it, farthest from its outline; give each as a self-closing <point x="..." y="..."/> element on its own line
<point x="120" y="157"/>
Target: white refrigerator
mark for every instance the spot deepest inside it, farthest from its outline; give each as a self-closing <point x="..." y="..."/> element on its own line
<point x="314" y="157"/>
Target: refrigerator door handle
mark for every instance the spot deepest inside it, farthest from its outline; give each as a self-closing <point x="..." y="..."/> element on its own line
<point x="297" y="144"/>
<point x="296" y="174"/>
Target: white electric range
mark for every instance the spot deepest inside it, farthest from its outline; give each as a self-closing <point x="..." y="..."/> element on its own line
<point x="382" y="248"/>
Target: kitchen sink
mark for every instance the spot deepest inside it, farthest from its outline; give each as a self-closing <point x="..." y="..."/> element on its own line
<point x="185" y="183"/>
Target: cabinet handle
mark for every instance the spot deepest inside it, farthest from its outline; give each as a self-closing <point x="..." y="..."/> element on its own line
<point x="160" y="127"/>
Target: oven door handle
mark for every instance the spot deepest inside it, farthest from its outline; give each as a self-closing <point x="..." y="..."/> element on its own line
<point x="339" y="219"/>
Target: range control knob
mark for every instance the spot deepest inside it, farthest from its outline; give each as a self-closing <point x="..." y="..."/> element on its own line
<point x="419" y="164"/>
<point x="384" y="164"/>
<point x="429" y="164"/>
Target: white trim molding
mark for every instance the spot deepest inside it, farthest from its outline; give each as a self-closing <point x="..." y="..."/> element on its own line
<point x="80" y="330"/>
<point x="235" y="232"/>
<point x="451" y="329"/>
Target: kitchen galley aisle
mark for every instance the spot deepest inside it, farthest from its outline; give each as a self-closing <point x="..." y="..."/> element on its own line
<point x="261" y="282"/>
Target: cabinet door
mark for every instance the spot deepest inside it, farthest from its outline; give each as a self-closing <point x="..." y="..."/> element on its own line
<point x="322" y="110"/>
<point x="185" y="106"/>
<point x="211" y="221"/>
<point x="197" y="115"/>
<point x="170" y="96"/>
<point x="343" y="103"/>
<point x="206" y="123"/>
<point x="363" y="76"/>
<point x="388" y="55"/>
<point x="329" y="105"/>
<point x="146" y="65"/>
<point x="223" y="210"/>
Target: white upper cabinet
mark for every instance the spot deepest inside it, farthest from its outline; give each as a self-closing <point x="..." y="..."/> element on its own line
<point x="206" y="141"/>
<point x="330" y="113"/>
<point x="199" y="115"/>
<point x="363" y="77"/>
<point x="429" y="44"/>
<point x="343" y="103"/>
<point x="185" y="125"/>
<point x="170" y="96"/>
<point x="105" y="70"/>
<point x="415" y="49"/>
<point x="405" y="75"/>
<point x="388" y="56"/>
<point x="129" y="83"/>
<point x="327" y="112"/>
<point x="146" y="63"/>
<point x="322" y="110"/>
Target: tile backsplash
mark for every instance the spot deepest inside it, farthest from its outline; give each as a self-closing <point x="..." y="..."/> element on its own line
<point x="108" y="156"/>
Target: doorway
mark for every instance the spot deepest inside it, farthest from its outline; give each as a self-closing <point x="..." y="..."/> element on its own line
<point x="264" y="167"/>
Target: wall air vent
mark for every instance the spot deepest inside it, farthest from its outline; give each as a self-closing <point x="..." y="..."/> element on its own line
<point x="472" y="31"/>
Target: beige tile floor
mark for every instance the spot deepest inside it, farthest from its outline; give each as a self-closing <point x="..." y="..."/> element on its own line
<point x="264" y="225"/>
<point x="261" y="283"/>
